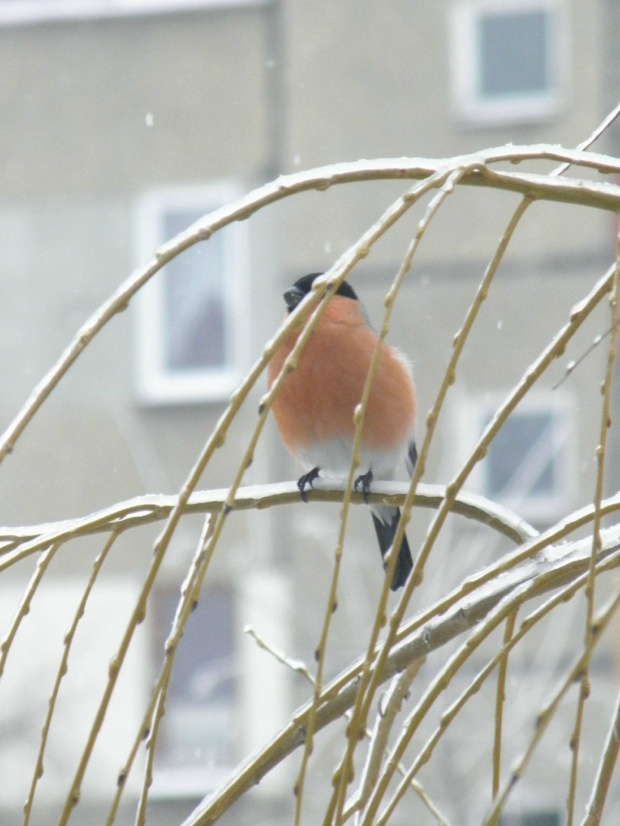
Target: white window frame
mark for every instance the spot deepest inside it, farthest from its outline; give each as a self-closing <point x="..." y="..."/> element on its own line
<point x="473" y="108"/>
<point x="155" y="382"/>
<point x="474" y="414"/>
<point x="23" y="12"/>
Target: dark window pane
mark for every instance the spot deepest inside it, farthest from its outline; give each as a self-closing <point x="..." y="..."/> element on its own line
<point x="522" y="436"/>
<point x="513" y="54"/>
<point x="199" y="725"/>
<point x="542" y="818"/>
<point x="194" y="312"/>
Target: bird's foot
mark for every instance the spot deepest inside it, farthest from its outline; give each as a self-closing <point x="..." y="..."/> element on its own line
<point x="306" y="481"/>
<point x="364" y="481"/>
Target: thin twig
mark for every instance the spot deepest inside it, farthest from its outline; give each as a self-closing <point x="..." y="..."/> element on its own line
<point x="297" y="666"/>
<point x="368" y="688"/>
<point x="500" y="698"/>
<point x="25" y="602"/>
<point x="149" y="728"/>
<point x="475" y="169"/>
<point x="557" y="345"/>
<point x="550" y="571"/>
<point x="546" y="714"/>
<point x="570" y="367"/>
<point x="450" y="714"/>
<point x="17" y="543"/>
<point x="344" y="772"/>
<point x="438" y="684"/>
<point x="62" y="670"/>
<point x="300" y="668"/>
<point x="601" y="196"/>
<point x="385" y="719"/>
<point x="601" y="453"/>
<point x="605" y="771"/>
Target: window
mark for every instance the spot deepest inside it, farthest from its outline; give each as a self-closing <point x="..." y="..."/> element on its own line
<point x="198" y="740"/>
<point x="192" y="316"/>
<point x="532" y="817"/>
<point x="508" y="59"/>
<point x="529" y="465"/>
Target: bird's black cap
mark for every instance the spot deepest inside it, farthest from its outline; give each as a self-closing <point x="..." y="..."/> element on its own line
<point x="303" y="285"/>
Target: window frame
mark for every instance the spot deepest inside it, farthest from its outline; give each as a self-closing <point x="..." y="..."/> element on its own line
<point x="469" y="106"/>
<point x="156" y="383"/>
<point x="536" y="507"/>
<point x="24" y="12"/>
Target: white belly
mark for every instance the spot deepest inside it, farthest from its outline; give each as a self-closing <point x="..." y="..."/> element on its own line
<point x="333" y="458"/>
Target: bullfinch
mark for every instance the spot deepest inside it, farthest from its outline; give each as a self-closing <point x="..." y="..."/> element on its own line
<point x="314" y="408"/>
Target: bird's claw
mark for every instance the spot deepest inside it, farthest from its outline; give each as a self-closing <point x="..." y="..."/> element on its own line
<point x="306" y="481"/>
<point x="364" y="481"/>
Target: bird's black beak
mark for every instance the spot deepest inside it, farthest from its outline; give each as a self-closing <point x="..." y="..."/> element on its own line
<point x="292" y="297"/>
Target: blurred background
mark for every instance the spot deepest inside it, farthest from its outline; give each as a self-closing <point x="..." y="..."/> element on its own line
<point x="123" y="121"/>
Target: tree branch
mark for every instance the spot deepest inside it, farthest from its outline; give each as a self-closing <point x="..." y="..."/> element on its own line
<point x="18" y="542"/>
<point x="550" y="570"/>
<point x="537" y="186"/>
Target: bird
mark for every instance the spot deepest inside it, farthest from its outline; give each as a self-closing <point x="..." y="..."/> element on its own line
<point x="315" y="406"/>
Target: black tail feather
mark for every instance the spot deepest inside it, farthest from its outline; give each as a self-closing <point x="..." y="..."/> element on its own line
<point x="385" y="534"/>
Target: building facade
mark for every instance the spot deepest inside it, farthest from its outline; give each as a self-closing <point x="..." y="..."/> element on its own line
<point x="124" y="122"/>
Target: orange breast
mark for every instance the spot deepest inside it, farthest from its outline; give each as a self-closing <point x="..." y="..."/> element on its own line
<point x="317" y="400"/>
